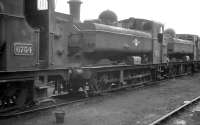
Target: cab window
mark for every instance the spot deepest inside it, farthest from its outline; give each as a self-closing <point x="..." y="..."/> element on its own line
<point x="42" y="4"/>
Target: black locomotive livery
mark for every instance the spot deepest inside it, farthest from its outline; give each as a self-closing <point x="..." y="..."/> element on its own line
<point x="44" y="53"/>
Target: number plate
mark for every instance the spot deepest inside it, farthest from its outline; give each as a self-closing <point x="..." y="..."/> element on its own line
<point x="22" y="49"/>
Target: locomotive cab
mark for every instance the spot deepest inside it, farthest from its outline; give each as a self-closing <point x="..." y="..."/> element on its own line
<point x="54" y="30"/>
<point x="159" y="45"/>
<point x="36" y="13"/>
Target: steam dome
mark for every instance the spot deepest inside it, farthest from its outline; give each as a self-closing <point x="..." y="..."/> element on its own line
<point x="108" y="17"/>
<point x="170" y="32"/>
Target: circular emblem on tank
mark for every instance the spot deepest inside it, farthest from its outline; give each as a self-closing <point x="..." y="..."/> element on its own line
<point x="136" y="42"/>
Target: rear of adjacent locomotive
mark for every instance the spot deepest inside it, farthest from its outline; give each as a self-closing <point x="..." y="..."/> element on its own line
<point x="33" y="51"/>
<point x="18" y="54"/>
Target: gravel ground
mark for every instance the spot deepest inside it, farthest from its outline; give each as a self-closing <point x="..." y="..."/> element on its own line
<point x="132" y="107"/>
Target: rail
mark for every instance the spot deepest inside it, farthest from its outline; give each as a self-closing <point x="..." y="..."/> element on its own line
<point x="174" y="112"/>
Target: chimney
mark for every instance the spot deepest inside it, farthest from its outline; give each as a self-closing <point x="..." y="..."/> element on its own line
<point x="74" y="6"/>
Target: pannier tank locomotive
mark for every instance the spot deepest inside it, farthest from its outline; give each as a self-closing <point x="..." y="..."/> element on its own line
<point x="44" y="53"/>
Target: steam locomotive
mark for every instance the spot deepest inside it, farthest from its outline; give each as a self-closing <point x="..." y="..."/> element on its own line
<point x="44" y="53"/>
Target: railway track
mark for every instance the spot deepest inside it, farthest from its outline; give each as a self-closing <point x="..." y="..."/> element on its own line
<point x="78" y="99"/>
<point x="175" y="112"/>
<point x="41" y="108"/>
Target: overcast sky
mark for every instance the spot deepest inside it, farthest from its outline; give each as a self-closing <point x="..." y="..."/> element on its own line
<point x="182" y="15"/>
